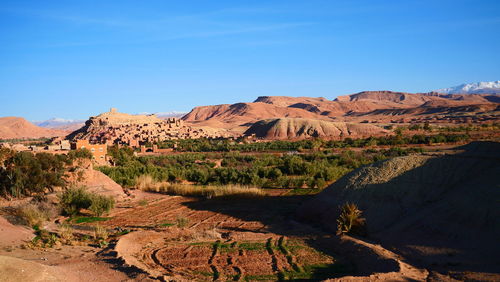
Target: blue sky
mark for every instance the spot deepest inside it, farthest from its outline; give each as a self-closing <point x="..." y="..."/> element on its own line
<point x="74" y="59"/>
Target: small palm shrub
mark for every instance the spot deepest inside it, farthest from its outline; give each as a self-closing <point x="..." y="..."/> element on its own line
<point x="350" y="220"/>
<point x="182" y="221"/>
<point x="66" y="233"/>
<point x="100" y="233"/>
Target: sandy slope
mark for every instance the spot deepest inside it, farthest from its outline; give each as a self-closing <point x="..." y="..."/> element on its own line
<point x="17" y="127"/>
<point x="440" y="211"/>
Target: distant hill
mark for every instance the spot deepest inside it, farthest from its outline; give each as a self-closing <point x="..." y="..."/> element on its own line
<point x="367" y="106"/>
<point x="17" y="127"/>
<point x="299" y="128"/>
<point x="491" y="87"/>
<point x="174" y="114"/>
<point x="61" y="124"/>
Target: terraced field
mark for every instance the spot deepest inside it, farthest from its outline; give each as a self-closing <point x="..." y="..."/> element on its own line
<point x="219" y="240"/>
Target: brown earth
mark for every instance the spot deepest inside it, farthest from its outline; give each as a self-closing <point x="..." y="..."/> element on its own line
<point x="13" y="235"/>
<point x="438" y="211"/>
<point x="241" y="240"/>
<point x="17" y="127"/>
<point x="96" y="181"/>
<point x="14" y="269"/>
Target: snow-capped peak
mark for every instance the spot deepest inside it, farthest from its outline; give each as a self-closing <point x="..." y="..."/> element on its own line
<point x="491" y="87"/>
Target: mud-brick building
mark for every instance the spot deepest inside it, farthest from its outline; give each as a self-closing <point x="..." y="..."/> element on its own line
<point x="99" y="151"/>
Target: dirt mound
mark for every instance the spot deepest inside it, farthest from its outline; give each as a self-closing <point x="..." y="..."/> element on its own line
<point x="100" y="183"/>
<point x="438" y="209"/>
<point x="298" y="128"/>
<point x="17" y="127"/>
<point x="95" y="181"/>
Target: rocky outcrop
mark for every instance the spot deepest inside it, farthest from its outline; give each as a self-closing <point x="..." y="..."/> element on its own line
<point x="298" y="128"/>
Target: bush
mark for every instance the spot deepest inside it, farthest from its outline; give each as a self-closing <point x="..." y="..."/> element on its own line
<point x="26" y="174"/>
<point x="100" y="233"/>
<point x="350" y="220"/>
<point x="182" y="221"/>
<point x="73" y="200"/>
<point x="66" y="233"/>
<point x="101" y="204"/>
<point x="80" y="154"/>
<point x="145" y="183"/>
<point x="35" y="214"/>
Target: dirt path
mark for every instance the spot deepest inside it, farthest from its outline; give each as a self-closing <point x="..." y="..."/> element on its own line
<point x="406" y="271"/>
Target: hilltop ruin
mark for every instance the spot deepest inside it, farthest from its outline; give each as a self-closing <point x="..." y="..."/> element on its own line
<point x="133" y="130"/>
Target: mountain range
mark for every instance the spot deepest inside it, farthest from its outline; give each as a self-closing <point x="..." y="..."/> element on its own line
<point x="284" y="117"/>
<point x="61" y="124"/>
<point x="363" y="107"/>
<point x="491" y="87"/>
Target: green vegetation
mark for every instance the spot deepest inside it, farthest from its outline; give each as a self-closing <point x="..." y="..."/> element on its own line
<point x="88" y="219"/>
<point x="73" y="200"/>
<point x="252" y="246"/>
<point x="80" y="154"/>
<point x="227" y="145"/>
<point x="101" y="204"/>
<point x="268" y="277"/>
<point x="44" y="239"/>
<point x="284" y="170"/>
<point x="31" y="141"/>
<point x="316" y="272"/>
<point x="350" y="220"/>
<point x="207" y="192"/>
<point x="27" y="174"/>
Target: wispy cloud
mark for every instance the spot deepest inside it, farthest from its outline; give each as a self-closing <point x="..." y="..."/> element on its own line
<point x="188" y="26"/>
<point x="249" y="29"/>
